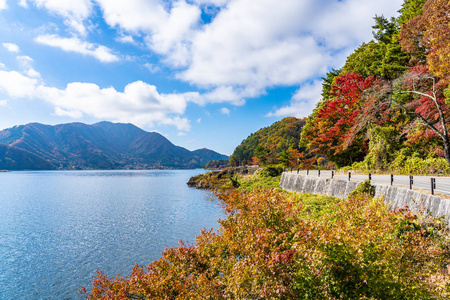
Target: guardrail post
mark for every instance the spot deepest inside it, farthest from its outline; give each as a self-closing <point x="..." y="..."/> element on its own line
<point x="298" y="170"/>
<point x="332" y="174"/>
<point x="318" y="173"/>
<point x="392" y="179"/>
<point x="410" y="182"/>
<point x="307" y="172"/>
<point x="433" y="185"/>
<point x="349" y="176"/>
<point x="370" y="176"/>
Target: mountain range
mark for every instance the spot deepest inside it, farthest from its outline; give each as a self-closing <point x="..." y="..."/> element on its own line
<point x="103" y="145"/>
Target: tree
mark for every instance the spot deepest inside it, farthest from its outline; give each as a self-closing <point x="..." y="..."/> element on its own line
<point x="424" y="101"/>
<point x="381" y="57"/>
<point x="267" y="143"/>
<point x="285" y="158"/>
<point x="366" y="60"/>
<point x="429" y="34"/>
<point x="410" y="38"/>
<point x="437" y="36"/>
<point x="410" y="9"/>
<point x="336" y="117"/>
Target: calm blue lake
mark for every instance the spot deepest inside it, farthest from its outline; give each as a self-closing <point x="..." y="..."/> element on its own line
<point x="58" y="227"/>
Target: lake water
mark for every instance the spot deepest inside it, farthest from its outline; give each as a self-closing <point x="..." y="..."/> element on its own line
<point x="58" y="227"/>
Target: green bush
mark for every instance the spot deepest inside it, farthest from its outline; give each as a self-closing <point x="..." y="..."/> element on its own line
<point x="364" y="188"/>
<point x="407" y="162"/>
<point x="272" y="171"/>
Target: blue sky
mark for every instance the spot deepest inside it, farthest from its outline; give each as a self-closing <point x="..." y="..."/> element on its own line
<point x="204" y="73"/>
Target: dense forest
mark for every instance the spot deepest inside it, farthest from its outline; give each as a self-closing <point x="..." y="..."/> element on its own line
<point x="271" y="144"/>
<point x="386" y="109"/>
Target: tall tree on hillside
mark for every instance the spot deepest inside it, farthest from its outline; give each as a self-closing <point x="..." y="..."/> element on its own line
<point x="428" y="35"/>
<point x="381" y="57"/>
<point x="411" y="33"/>
<point x="336" y="117"/>
<point x="437" y="36"/>
<point x="410" y="9"/>
<point x="421" y="95"/>
<point x="310" y="128"/>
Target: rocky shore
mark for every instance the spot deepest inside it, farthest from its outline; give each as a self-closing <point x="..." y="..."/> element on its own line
<point x="215" y="180"/>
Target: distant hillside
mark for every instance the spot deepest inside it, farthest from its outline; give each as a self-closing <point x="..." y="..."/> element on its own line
<point x="12" y="158"/>
<point x="270" y="141"/>
<point x="103" y="145"/>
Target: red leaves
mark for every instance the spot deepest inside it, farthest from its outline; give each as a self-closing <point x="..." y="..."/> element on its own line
<point x="338" y="115"/>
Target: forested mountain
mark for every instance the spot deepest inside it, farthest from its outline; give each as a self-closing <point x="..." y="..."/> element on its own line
<point x="388" y="107"/>
<point x="268" y="143"/>
<point x="12" y="158"/>
<point x="103" y="145"/>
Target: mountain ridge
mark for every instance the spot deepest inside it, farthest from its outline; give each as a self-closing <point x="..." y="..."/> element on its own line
<point x="103" y="145"/>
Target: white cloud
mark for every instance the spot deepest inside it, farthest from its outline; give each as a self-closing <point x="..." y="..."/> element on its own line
<point x="3" y="103"/>
<point x="302" y="103"/>
<point x="3" y="4"/>
<point x="17" y="85"/>
<point x="66" y="8"/>
<point x="217" y="3"/>
<point x="168" y="27"/>
<point x="23" y="3"/>
<point x="140" y="103"/>
<point x="225" y="111"/>
<point x="279" y="44"/>
<point x="74" y="12"/>
<point x="74" y="44"/>
<point x="227" y="94"/>
<point x="152" y="68"/>
<point x="247" y="47"/>
<point x="25" y="64"/>
<point x="11" y="47"/>
<point x="199" y="120"/>
<point x="2" y="66"/>
<point x="125" y="39"/>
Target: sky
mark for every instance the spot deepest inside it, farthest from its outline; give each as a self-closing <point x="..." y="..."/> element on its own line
<point x="203" y="73"/>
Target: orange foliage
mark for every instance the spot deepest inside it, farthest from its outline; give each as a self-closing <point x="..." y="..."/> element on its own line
<point x="275" y="246"/>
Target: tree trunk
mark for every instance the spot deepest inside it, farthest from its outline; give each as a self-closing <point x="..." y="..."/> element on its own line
<point x="447" y="149"/>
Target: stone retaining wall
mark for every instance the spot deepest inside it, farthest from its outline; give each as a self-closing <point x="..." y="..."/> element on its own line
<point x="394" y="197"/>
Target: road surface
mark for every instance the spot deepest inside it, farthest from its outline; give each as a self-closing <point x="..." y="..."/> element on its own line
<point x="418" y="182"/>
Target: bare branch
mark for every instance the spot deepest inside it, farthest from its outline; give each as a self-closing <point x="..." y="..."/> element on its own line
<point x="415" y="92"/>
<point x="424" y="121"/>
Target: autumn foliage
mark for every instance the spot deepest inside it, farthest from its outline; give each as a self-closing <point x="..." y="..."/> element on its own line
<point x="268" y="143"/>
<point x="430" y="32"/>
<point x="274" y="245"/>
<point x="391" y="98"/>
<point x="337" y="116"/>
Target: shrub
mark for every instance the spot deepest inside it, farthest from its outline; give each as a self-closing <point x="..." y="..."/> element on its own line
<point x="267" y="249"/>
<point x="272" y="171"/>
<point x="364" y="189"/>
<point x="408" y="163"/>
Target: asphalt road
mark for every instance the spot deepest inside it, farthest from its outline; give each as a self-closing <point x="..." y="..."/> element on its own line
<point x="418" y="182"/>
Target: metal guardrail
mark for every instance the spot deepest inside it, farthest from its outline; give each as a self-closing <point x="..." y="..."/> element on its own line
<point x="432" y="184"/>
